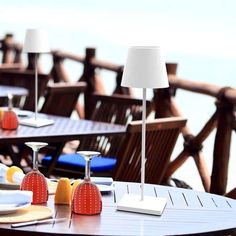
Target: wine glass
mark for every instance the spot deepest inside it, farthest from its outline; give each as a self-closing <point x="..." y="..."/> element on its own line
<point x="9" y="119"/>
<point x="87" y="199"/>
<point x="34" y="180"/>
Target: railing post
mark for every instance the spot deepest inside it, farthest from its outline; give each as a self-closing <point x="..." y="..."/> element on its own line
<point x="6" y="49"/>
<point x="18" y="53"/>
<point x="171" y="68"/>
<point x="89" y="77"/>
<point x="58" y="72"/>
<point x="119" y="89"/>
<point x="31" y="61"/>
<point x="162" y="97"/>
<point x="162" y="103"/>
<point x="222" y="145"/>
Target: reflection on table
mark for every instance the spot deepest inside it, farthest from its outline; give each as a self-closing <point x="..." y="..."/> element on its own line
<point x="63" y="130"/>
<point x="186" y="212"/>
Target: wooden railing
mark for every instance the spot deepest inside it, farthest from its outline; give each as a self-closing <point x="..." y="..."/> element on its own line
<point x="223" y="119"/>
<point x="11" y="51"/>
<point x="89" y="74"/>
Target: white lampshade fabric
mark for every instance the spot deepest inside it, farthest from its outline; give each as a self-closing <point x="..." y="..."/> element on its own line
<point x="145" y="68"/>
<point x="36" y="41"/>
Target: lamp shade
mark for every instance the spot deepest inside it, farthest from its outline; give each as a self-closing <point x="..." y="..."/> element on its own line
<point x="145" y="68"/>
<point x="36" y="41"/>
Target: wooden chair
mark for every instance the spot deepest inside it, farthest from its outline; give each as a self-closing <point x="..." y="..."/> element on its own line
<point x="116" y="109"/>
<point x="161" y="137"/>
<point x="25" y="79"/>
<point x="61" y="98"/>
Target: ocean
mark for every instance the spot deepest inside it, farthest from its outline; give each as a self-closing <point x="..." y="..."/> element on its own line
<point x="199" y="35"/>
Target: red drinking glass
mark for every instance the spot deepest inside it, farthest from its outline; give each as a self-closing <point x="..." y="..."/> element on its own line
<point x="87" y="199"/>
<point x="34" y="180"/>
<point x="10" y="119"/>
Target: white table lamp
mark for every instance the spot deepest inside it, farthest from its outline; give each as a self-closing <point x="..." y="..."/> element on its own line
<point x="36" y="41"/>
<point x="144" y="68"/>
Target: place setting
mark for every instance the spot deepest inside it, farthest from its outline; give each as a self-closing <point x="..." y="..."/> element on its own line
<point x="13" y="200"/>
<point x="24" y="205"/>
<point x="16" y="206"/>
<point x="11" y="177"/>
<point x="23" y="197"/>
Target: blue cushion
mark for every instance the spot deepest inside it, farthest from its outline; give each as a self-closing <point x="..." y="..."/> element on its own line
<point x="75" y="160"/>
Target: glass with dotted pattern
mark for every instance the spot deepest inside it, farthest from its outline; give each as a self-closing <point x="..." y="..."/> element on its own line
<point x="87" y="198"/>
<point x="34" y="180"/>
<point x="9" y="118"/>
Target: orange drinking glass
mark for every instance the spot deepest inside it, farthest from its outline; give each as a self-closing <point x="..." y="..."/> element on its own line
<point x="34" y="180"/>
<point x="87" y="199"/>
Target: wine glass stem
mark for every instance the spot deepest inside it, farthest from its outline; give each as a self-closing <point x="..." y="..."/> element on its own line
<point x="87" y="169"/>
<point x="10" y="104"/>
<point x="35" y="160"/>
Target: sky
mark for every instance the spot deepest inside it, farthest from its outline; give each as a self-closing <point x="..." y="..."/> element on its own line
<point x="203" y="27"/>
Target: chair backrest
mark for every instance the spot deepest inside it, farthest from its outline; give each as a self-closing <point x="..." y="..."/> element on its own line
<point x="25" y="79"/>
<point x="61" y="98"/>
<point x="117" y="108"/>
<point x="161" y="136"/>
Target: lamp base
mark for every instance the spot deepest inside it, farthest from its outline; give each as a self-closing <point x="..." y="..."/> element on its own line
<point x="36" y="122"/>
<point x="150" y="205"/>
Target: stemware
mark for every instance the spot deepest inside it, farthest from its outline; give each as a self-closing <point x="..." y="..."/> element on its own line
<point x="34" y="180"/>
<point x="9" y="119"/>
<point x="87" y="198"/>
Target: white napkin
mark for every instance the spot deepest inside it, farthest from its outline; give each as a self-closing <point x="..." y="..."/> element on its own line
<point x="16" y="197"/>
<point x="16" y="177"/>
<point x="102" y="180"/>
<point x="3" y="169"/>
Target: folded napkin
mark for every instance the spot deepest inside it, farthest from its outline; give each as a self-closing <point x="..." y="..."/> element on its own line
<point x="17" y="197"/>
<point x="102" y="180"/>
<point x="11" y="174"/>
<point x="3" y="170"/>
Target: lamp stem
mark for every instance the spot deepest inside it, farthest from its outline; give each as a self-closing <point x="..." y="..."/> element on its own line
<point x="143" y="144"/>
<point x="36" y="86"/>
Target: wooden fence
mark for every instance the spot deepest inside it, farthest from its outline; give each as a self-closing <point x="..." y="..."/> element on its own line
<point x="223" y="119"/>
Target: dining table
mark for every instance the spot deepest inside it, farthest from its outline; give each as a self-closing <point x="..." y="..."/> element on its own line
<point x="57" y="134"/>
<point x="18" y="93"/>
<point x="187" y="212"/>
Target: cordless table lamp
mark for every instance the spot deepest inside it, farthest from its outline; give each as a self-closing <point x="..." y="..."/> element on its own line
<point x="144" y="68"/>
<point x="36" y="42"/>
